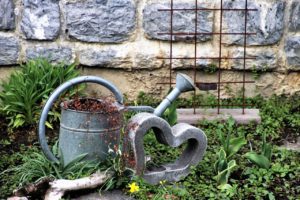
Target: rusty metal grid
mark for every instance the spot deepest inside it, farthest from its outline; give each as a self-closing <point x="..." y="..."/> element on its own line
<point x="219" y="58"/>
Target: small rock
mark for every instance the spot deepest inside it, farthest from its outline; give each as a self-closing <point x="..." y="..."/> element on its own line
<point x="97" y="58"/>
<point x="9" y="51"/>
<point x="53" y="54"/>
<point x="155" y="22"/>
<point x="147" y="61"/>
<point x="40" y="19"/>
<point x="108" y="21"/>
<point x="292" y="50"/>
<point x="7" y="15"/>
<point x="294" y="24"/>
<point x="105" y="58"/>
<point x="267" y="22"/>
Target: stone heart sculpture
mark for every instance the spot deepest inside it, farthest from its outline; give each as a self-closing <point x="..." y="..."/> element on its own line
<point x="172" y="136"/>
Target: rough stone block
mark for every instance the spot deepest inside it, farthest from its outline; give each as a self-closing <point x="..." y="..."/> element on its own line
<point x="97" y="58"/>
<point x="292" y="50"/>
<point x="53" y="54"/>
<point x="155" y="22"/>
<point x="9" y="50"/>
<point x="40" y="19"/>
<point x="7" y="15"/>
<point x="107" y="21"/>
<point x="267" y="22"/>
<point x="265" y="60"/>
<point x="294" y="24"/>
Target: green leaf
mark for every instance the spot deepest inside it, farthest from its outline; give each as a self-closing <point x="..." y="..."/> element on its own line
<point x="49" y="125"/>
<point x="267" y="151"/>
<point x="225" y="187"/>
<point x="259" y="160"/>
<point x="75" y="160"/>
<point x="18" y="122"/>
<point x="235" y="145"/>
<point x="222" y="177"/>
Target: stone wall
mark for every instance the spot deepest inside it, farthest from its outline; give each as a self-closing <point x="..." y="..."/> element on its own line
<point x="119" y="40"/>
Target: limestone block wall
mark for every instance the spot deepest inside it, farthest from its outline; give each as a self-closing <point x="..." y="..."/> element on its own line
<point x="120" y="41"/>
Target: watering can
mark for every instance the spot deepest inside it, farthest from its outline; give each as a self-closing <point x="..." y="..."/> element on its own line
<point x="90" y="133"/>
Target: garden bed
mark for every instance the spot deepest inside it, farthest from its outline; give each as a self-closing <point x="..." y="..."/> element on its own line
<point x="280" y="121"/>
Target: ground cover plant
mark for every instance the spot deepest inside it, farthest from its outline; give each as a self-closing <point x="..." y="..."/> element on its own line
<point x="241" y="162"/>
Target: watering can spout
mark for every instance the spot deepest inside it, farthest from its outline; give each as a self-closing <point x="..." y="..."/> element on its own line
<point x="183" y="84"/>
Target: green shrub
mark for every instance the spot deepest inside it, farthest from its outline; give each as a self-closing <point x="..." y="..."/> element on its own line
<point x="27" y="89"/>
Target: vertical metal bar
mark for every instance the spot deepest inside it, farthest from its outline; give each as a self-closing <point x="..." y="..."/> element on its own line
<point x="195" y="60"/>
<point x="245" y="43"/>
<point x="171" y="46"/>
<point x="220" y="55"/>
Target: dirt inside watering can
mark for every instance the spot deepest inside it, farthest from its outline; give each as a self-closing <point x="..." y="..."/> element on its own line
<point x="92" y="105"/>
<point x="101" y="107"/>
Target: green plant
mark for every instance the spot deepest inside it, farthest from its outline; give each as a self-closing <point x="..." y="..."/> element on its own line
<point x="223" y="169"/>
<point x="231" y="145"/>
<point x="146" y="99"/>
<point x="170" y="115"/>
<point x="27" y="89"/>
<point x="263" y="159"/>
<point x="36" y="166"/>
<point x="114" y="165"/>
<point x="211" y="68"/>
<point x="257" y="71"/>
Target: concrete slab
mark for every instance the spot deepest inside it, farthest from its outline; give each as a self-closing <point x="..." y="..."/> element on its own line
<point x="105" y="195"/>
<point x="292" y="146"/>
<point x="187" y="115"/>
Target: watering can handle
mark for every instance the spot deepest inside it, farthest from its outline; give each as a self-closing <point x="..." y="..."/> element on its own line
<point x="56" y="94"/>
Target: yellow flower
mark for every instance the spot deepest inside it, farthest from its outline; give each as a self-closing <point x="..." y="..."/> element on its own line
<point x="133" y="187"/>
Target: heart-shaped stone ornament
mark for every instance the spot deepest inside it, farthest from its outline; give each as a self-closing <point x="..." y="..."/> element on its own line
<point x="174" y="136"/>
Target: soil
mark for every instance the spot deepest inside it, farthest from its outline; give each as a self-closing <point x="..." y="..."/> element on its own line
<point x="91" y="105"/>
<point x="25" y="136"/>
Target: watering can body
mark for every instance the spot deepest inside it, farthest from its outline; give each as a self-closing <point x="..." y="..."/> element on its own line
<point x="86" y="132"/>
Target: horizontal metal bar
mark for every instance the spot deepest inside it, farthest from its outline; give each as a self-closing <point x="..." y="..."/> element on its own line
<point x="217" y="58"/>
<point x="211" y="9"/>
<point x="204" y="33"/>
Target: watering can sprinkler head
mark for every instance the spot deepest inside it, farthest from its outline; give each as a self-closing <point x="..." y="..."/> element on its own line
<point x="183" y="84"/>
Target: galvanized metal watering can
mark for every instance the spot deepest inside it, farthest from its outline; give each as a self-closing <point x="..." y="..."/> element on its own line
<point x="89" y="132"/>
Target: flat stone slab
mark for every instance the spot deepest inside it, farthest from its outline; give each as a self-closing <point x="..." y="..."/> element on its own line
<point x="292" y="146"/>
<point x="188" y="116"/>
<point x="110" y="195"/>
